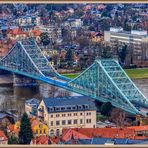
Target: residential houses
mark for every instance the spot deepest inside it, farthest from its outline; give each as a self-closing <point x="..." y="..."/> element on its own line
<point x="3" y="138"/>
<point x="31" y="106"/>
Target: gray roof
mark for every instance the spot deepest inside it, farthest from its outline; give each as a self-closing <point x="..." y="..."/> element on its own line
<point x="32" y="101"/>
<point x="70" y="101"/>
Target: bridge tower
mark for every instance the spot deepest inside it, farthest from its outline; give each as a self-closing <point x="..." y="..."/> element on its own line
<point x="19" y="80"/>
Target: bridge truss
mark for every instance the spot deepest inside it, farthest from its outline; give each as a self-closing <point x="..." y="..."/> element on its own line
<point x="104" y="80"/>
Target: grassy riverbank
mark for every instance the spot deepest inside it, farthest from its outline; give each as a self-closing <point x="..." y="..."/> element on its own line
<point x="132" y="73"/>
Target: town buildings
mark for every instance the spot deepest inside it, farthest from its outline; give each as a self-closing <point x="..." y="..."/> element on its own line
<point x="31" y="106"/>
<point x="67" y="112"/>
<point x="137" y="42"/>
<point x="3" y="138"/>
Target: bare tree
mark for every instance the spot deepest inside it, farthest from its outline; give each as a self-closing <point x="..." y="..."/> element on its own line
<point x="118" y="116"/>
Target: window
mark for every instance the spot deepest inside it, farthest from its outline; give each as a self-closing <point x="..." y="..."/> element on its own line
<point x="57" y="132"/>
<point x="68" y="108"/>
<point x="86" y="106"/>
<point x="44" y="131"/>
<point x="81" y="121"/>
<point x="51" y="132"/>
<point x="75" y="114"/>
<point x="75" y="121"/>
<point x="69" y="114"/>
<point x="63" y="115"/>
<point x="88" y="121"/>
<point x="51" y="123"/>
<point x="57" y="115"/>
<point x="79" y="106"/>
<point x="81" y="114"/>
<point x="51" y="116"/>
<point x="74" y="107"/>
<point x="40" y="125"/>
<point x="69" y="121"/>
<point x="57" y="108"/>
<point x="57" y="122"/>
<point x="89" y="113"/>
<point x="62" y="108"/>
<point x="63" y="122"/>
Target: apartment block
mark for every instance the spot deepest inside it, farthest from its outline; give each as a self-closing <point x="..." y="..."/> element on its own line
<point x="137" y="40"/>
<point x="67" y="112"/>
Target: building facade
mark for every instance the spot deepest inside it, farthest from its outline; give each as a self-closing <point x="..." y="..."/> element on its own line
<point x="31" y="106"/>
<point x="67" y="112"/>
<point x="137" y="42"/>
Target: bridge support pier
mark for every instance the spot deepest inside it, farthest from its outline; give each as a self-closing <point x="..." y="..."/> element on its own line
<point x="19" y="80"/>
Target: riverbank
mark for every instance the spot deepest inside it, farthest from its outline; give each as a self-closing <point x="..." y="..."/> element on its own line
<point x="132" y="73"/>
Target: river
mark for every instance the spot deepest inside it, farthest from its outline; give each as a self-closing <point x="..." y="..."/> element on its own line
<point x="14" y="97"/>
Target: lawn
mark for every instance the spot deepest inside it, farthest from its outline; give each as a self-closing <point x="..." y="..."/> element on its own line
<point x="137" y="73"/>
<point x="132" y="73"/>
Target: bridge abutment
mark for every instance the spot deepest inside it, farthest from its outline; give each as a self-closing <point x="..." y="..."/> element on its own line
<point x="19" y="80"/>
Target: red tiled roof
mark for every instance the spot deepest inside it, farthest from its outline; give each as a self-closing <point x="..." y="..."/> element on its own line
<point x="41" y="140"/>
<point x="36" y="32"/>
<point x="54" y="140"/>
<point x="139" y="128"/>
<point x="18" y="31"/>
<point x="69" y="133"/>
<point x="2" y="135"/>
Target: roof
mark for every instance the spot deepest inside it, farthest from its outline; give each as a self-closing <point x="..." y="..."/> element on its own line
<point x="69" y="101"/>
<point x="36" y="32"/>
<point x="107" y="141"/>
<point x="3" y="135"/>
<point x="41" y="140"/>
<point x="139" y="128"/>
<point x="3" y="115"/>
<point x="32" y="101"/>
<point x="69" y="134"/>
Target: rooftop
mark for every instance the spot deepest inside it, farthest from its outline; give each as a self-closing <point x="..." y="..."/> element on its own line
<point x="32" y="101"/>
<point x="75" y="102"/>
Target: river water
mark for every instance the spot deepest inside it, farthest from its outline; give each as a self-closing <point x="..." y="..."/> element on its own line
<point x="14" y="97"/>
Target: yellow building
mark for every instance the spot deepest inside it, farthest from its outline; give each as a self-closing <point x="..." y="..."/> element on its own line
<point x="38" y="127"/>
<point x="67" y="112"/>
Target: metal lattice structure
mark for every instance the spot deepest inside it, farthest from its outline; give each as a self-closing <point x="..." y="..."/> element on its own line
<point x="104" y="80"/>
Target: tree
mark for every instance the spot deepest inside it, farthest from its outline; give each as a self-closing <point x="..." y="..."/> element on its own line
<point x="106" y="51"/>
<point x="106" y="108"/>
<point x="118" y="116"/>
<point x="44" y="38"/>
<point x="13" y="140"/>
<point x="122" y="53"/>
<point x="25" y="134"/>
<point x="69" y="57"/>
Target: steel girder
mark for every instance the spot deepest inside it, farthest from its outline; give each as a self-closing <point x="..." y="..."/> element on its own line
<point x="27" y="57"/>
<point x="106" y="81"/>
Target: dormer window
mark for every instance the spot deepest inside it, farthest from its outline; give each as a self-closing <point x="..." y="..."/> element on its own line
<point x="69" y="108"/>
<point x="86" y="106"/>
<point x="80" y="107"/>
<point x="51" y="109"/>
<point x="74" y="107"/>
<point x="57" y="108"/>
<point x="63" y="108"/>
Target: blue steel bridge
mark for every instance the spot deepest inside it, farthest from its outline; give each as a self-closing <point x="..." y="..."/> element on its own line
<point x="104" y="80"/>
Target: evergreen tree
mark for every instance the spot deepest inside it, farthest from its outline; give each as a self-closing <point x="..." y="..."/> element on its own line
<point x="13" y="140"/>
<point x="122" y="53"/>
<point x="106" y="108"/>
<point x="25" y="134"/>
<point x="106" y="53"/>
<point x="69" y="57"/>
<point x="45" y="39"/>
